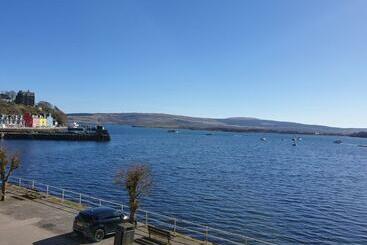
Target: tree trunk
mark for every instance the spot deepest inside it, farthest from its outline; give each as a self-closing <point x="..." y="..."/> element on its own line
<point x="132" y="216"/>
<point x="3" y="186"/>
<point x="133" y="208"/>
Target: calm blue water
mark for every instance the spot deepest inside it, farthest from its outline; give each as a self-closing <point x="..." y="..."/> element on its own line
<point x="315" y="193"/>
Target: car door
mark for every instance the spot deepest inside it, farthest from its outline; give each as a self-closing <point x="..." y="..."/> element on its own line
<point x="111" y="221"/>
<point x="115" y="221"/>
<point x="103" y="222"/>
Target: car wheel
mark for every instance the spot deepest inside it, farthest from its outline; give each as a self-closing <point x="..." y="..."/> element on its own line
<point x="98" y="235"/>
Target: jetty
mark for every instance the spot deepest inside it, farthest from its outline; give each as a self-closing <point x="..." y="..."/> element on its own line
<point x="81" y="134"/>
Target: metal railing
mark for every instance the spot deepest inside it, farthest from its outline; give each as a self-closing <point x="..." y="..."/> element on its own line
<point x="175" y="225"/>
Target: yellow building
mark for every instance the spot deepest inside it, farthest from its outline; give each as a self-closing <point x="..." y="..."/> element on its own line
<point x="43" y="122"/>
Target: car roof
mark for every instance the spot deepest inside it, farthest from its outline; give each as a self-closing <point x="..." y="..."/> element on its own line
<point x="98" y="211"/>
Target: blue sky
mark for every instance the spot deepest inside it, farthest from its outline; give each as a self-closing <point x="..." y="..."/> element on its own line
<point x="303" y="61"/>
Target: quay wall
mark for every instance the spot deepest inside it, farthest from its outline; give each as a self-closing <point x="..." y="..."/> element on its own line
<point x="52" y="134"/>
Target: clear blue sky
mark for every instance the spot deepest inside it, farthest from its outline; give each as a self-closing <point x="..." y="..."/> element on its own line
<point x="303" y="61"/>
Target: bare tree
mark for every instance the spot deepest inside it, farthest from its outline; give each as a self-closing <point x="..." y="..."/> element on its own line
<point x="7" y="166"/>
<point x="137" y="180"/>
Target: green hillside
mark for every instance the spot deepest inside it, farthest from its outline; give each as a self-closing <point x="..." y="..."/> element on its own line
<point x="41" y="108"/>
<point x="235" y="124"/>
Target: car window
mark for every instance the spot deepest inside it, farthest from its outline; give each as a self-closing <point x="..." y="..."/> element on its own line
<point x="85" y="217"/>
<point x="109" y="215"/>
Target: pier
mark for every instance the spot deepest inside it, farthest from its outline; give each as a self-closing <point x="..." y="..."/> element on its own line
<point x="64" y="134"/>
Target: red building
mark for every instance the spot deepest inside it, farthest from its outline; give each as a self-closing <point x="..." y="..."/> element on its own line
<point x="28" y="120"/>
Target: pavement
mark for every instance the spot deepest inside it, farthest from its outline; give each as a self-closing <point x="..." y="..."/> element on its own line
<point x="24" y="220"/>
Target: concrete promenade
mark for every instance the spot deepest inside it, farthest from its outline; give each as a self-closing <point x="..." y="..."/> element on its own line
<point x="24" y="220"/>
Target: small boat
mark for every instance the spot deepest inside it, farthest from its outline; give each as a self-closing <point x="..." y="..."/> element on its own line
<point x="362" y="145"/>
<point x="299" y="138"/>
<point x="74" y="125"/>
<point x="208" y="134"/>
<point x="294" y="140"/>
<point x="338" y="141"/>
<point x="172" y="131"/>
<point x="263" y="139"/>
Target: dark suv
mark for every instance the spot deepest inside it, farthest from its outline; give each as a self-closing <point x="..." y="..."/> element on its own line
<point x="96" y="223"/>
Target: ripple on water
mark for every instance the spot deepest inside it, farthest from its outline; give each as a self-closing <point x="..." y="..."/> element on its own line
<point x="311" y="194"/>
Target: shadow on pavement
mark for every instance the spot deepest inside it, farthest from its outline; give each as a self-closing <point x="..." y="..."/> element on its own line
<point x="64" y="239"/>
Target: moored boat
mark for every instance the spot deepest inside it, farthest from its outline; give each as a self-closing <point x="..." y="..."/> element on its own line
<point x="172" y="131"/>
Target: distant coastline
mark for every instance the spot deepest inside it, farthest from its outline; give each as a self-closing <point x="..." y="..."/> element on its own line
<point x="235" y="124"/>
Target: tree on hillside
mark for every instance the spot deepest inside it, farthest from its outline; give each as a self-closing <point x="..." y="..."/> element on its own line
<point x="60" y="116"/>
<point x="48" y="108"/>
<point x="7" y="167"/>
<point x="45" y="105"/>
<point x="137" y="180"/>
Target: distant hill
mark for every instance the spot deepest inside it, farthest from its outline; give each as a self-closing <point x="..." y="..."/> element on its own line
<point x="235" y="124"/>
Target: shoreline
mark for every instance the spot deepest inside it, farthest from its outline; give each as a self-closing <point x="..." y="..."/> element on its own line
<point x="242" y="130"/>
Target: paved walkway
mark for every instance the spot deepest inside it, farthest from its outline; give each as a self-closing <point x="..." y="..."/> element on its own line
<point x="39" y="222"/>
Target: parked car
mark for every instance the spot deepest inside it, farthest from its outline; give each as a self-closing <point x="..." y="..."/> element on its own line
<point x="96" y="223"/>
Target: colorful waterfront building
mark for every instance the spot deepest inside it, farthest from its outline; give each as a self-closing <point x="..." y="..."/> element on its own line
<point x="50" y="121"/>
<point x="35" y="121"/>
<point x="19" y="121"/>
<point x="28" y="120"/>
<point x="42" y="121"/>
<point x="3" y="121"/>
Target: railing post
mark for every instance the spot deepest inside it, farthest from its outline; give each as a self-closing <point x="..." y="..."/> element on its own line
<point x="62" y="195"/>
<point x="100" y="202"/>
<point x="47" y="190"/>
<point x="20" y="182"/>
<point x="206" y="234"/>
<point x="174" y="226"/>
<point x="32" y="184"/>
<point x="146" y="218"/>
<point x="122" y="208"/>
<point x="80" y="198"/>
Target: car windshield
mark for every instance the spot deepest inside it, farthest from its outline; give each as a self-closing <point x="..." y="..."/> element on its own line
<point x="85" y="217"/>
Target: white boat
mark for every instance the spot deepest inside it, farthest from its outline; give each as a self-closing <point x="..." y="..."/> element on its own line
<point x="75" y="125"/>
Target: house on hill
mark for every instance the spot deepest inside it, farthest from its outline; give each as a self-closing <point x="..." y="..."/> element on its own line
<point x="25" y="98"/>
